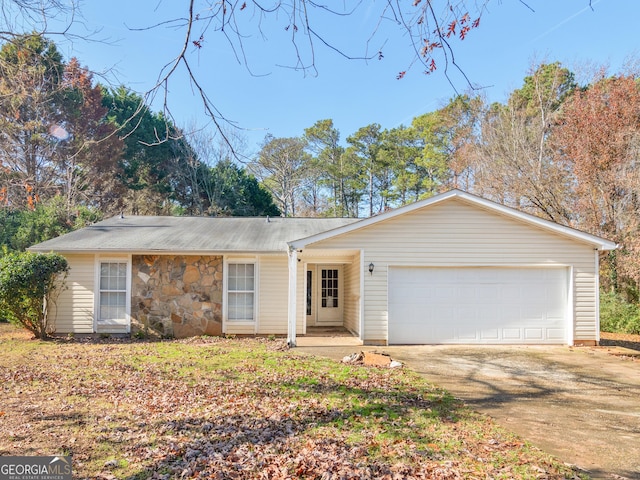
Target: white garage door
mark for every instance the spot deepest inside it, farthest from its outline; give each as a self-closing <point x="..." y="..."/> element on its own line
<point x="477" y="305"/>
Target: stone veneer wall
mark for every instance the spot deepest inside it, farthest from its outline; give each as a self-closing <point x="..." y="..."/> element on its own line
<point x="176" y="295"/>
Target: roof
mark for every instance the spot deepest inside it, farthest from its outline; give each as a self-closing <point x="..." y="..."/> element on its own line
<point x="202" y="235"/>
<point x="148" y="234"/>
<point x="597" y="242"/>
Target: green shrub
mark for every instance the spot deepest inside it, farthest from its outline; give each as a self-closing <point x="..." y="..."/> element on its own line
<point x="617" y="315"/>
<point x="29" y="283"/>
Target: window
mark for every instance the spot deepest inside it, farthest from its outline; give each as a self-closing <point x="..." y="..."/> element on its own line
<point x="309" y="290"/>
<point x="113" y="291"/>
<point x="329" y="288"/>
<point x="241" y="292"/>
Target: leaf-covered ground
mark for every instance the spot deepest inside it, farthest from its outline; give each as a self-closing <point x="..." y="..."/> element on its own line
<point x="241" y="408"/>
<point x="627" y="340"/>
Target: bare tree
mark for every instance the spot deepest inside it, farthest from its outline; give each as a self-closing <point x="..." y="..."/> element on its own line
<point x="282" y="166"/>
<point x="207" y="149"/>
<point x="39" y="17"/>
<point x="431" y="25"/>
<point x="515" y="164"/>
<point x="598" y="136"/>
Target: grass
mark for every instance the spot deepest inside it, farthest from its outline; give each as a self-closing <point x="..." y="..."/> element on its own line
<point x="241" y="408"/>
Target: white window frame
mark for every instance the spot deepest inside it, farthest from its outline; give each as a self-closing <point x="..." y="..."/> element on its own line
<point x="105" y="327"/>
<point x="225" y="303"/>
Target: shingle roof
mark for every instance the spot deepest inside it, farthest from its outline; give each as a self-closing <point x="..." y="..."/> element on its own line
<point x="190" y="234"/>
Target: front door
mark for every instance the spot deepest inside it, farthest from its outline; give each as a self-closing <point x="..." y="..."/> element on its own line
<point x="329" y="295"/>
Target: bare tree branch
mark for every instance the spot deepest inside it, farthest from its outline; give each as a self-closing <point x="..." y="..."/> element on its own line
<point x="430" y="25"/>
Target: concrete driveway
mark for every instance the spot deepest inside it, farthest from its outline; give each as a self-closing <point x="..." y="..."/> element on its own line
<point x="579" y="404"/>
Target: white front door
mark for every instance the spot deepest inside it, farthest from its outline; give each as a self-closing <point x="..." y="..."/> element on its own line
<point x="329" y="295"/>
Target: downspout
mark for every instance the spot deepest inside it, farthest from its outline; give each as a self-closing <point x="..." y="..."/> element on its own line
<point x="597" y="281"/>
<point x="362" y="280"/>
<point x="293" y="280"/>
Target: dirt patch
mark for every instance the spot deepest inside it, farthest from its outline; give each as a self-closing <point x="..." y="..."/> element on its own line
<point x="625" y="340"/>
<point x="371" y="359"/>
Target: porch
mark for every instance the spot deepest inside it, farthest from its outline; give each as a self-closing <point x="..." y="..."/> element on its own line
<point x="330" y="304"/>
<point x="328" y="337"/>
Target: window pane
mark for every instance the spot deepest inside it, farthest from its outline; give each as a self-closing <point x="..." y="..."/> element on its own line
<point x="113" y="305"/>
<point x="309" y="290"/>
<point x="104" y="281"/>
<point x="240" y="306"/>
<point x="119" y="283"/>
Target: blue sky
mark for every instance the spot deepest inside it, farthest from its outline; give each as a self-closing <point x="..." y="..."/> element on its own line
<point x="353" y="93"/>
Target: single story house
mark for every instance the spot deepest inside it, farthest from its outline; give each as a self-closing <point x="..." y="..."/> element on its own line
<point x="454" y="268"/>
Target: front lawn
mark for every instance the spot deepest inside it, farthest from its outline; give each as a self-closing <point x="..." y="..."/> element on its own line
<point x="249" y="408"/>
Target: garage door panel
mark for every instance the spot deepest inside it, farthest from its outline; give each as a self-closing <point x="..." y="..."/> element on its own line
<point x="511" y="312"/>
<point x="512" y="335"/>
<point x="533" y="334"/>
<point x="489" y="334"/>
<point x="555" y="333"/>
<point x="443" y="293"/>
<point x="477" y="305"/>
<point x="463" y="291"/>
<point x="511" y="294"/>
<point x="445" y="312"/>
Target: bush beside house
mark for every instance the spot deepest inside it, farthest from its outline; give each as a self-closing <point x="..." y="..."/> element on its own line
<point x="28" y="283"/>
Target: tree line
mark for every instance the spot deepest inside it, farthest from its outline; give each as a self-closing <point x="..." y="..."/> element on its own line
<point x="73" y="151"/>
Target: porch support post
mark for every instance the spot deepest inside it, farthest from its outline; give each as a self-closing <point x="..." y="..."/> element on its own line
<point x="293" y="281"/>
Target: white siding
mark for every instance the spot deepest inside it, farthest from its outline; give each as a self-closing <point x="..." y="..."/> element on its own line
<point x="240" y="329"/>
<point x="301" y="302"/>
<point x="273" y="295"/>
<point x="352" y="295"/>
<point x="457" y="233"/>
<point x="73" y="312"/>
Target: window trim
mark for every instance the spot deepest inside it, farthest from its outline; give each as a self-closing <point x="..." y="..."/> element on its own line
<point x="225" y="296"/>
<point x="99" y="260"/>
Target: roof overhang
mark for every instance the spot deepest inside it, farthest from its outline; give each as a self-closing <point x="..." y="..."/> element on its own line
<point x="119" y="251"/>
